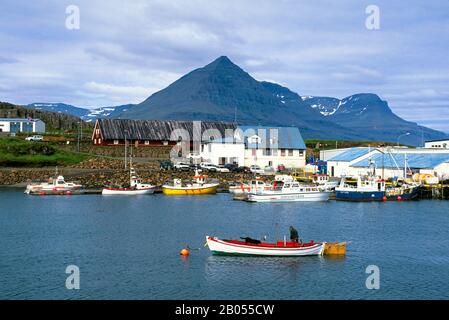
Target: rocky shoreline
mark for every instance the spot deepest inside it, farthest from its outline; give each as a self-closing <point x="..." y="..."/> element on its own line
<point x="97" y="173"/>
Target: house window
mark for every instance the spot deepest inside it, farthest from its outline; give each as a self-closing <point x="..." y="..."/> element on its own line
<point x="301" y="153"/>
<point x="267" y="152"/>
<point x="115" y="141"/>
<point x="202" y="148"/>
<point x="147" y="142"/>
<point x="290" y="152"/>
<point x="99" y="141"/>
<point x="283" y="152"/>
<point x="274" y="152"/>
<point x="165" y="143"/>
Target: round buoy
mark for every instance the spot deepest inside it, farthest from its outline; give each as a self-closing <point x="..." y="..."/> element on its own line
<point x="184" y="252"/>
<point x="385" y="198"/>
<point x="399" y="198"/>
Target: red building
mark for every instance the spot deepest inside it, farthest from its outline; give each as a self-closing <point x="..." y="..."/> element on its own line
<point x="152" y="133"/>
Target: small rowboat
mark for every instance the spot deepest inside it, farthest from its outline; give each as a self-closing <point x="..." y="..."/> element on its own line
<point x="257" y="248"/>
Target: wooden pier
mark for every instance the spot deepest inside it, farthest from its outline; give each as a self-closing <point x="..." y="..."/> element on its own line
<point x="434" y="191"/>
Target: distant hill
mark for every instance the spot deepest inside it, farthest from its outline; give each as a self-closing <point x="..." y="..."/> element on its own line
<point x="223" y="91"/>
<point x="368" y="114"/>
<point x="86" y="114"/>
<point x="53" y="120"/>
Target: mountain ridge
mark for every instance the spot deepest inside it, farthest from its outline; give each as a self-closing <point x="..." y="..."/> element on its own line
<point x="222" y="91"/>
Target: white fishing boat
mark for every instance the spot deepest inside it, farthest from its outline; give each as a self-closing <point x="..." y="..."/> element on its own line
<point x="287" y="189"/>
<point x="251" y="247"/>
<point x="253" y="185"/>
<point x="136" y="187"/>
<point x="57" y="185"/>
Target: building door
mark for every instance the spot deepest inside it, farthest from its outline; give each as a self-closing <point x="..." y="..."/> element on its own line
<point x="332" y="171"/>
<point x="14" y="127"/>
<point x="221" y="160"/>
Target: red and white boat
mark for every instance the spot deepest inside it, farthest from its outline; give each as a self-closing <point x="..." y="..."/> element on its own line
<point x="249" y="247"/>
<point x="136" y="187"/>
<point x="58" y="185"/>
<point x="253" y="185"/>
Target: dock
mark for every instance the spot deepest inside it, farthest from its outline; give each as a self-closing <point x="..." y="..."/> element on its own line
<point x="434" y="191"/>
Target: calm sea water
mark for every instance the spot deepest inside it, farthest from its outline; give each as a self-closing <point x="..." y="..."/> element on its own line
<point x="128" y="248"/>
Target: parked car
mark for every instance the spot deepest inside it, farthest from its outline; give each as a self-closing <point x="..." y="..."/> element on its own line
<point x="222" y="169"/>
<point x="269" y="170"/>
<point x="35" y="138"/>
<point x="281" y="168"/>
<point x="165" y="165"/>
<point x="208" y="166"/>
<point x="182" y="166"/>
<point x="243" y="169"/>
<point x="231" y="167"/>
<point x="256" y="169"/>
<point x="195" y="167"/>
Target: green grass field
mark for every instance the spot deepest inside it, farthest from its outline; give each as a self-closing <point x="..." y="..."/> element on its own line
<point x="15" y="152"/>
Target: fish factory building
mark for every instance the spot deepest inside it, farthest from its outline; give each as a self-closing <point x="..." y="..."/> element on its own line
<point x="391" y="161"/>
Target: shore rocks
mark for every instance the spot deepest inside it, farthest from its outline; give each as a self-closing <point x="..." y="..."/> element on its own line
<point x="96" y="174"/>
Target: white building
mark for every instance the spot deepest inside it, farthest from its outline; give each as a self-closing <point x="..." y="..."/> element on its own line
<point x="437" y="144"/>
<point x="15" y="125"/>
<point x="262" y="146"/>
<point x="390" y="162"/>
<point x="223" y="151"/>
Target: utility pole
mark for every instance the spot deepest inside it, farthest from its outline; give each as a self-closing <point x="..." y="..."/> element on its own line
<point x="126" y="150"/>
<point x="78" y="146"/>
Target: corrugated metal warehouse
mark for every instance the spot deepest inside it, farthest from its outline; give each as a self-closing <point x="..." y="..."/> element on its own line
<point x="114" y="132"/>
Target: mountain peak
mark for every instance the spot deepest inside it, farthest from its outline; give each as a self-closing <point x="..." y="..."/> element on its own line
<point x="222" y="63"/>
<point x="222" y="59"/>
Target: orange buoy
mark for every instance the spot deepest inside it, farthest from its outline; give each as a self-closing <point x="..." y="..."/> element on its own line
<point x="184" y="252"/>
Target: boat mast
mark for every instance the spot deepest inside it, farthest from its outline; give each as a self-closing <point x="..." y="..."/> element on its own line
<point x="405" y="166"/>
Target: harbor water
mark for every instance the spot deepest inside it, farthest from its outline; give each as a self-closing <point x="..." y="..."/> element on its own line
<point x="128" y="248"/>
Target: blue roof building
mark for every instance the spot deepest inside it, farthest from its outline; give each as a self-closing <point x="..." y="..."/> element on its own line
<point x="390" y="162"/>
<point x="273" y="137"/>
<point x="413" y="160"/>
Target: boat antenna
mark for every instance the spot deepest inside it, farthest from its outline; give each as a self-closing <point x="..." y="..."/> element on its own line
<point x="235" y="114"/>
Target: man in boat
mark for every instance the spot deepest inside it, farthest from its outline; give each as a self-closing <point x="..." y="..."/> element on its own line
<point x="294" y="237"/>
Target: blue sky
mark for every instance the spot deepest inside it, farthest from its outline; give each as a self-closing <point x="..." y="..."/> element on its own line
<point x="126" y="50"/>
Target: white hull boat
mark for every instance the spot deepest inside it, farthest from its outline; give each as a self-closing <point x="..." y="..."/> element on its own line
<point x="55" y="185"/>
<point x="279" y="249"/>
<point x="287" y="189"/>
<point x="137" y="187"/>
<point x="127" y="191"/>
<point x="275" y="196"/>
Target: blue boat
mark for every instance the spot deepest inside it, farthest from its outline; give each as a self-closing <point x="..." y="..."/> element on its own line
<point x="373" y="189"/>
